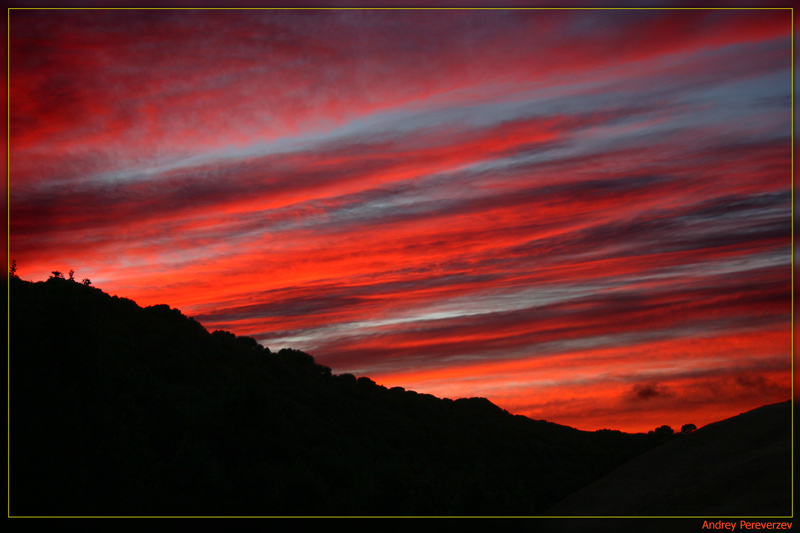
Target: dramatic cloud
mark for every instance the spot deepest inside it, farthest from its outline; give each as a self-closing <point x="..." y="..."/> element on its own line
<point x="584" y="216"/>
<point x="649" y="392"/>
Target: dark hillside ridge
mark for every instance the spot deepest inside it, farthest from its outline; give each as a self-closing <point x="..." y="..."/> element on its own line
<point x="741" y="466"/>
<point x="121" y="410"/>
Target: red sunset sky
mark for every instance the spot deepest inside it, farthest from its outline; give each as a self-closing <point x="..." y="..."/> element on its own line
<point x="581" y="215"/>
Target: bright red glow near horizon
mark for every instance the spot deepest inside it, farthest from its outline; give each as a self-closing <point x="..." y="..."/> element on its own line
<point x="583" y="216"/>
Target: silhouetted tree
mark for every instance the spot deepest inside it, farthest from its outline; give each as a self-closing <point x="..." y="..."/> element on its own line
<point x="86" y="281"/>
<point x="364" y="381"/>
<point x="57" y="274"/>
<point x="71" y="275"/>
<point x="297" y="356"/>
<point x="12" y="270"/>
<point x="688" y="428"/>
<point x="224" y="337"/>
<point x="249" y="344"/>
<point x="325" y="371"/>
<point x="664" y="430"/>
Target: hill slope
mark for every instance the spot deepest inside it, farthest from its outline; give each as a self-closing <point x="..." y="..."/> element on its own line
<point x="121" y="410"/>
<point x="737" y="467"/>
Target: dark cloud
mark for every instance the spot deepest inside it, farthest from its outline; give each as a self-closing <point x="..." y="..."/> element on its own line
<point x="649" y="391"/>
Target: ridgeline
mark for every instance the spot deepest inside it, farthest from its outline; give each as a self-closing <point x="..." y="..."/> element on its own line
<point x="128" y="411"/>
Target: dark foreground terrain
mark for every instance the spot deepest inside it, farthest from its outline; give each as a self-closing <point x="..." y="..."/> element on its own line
<point x="121" y="410"/>
<point x="737" y="467"/>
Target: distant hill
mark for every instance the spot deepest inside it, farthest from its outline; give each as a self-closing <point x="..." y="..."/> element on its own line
<point x="116" y="409"/>
<point x="741" y="466"/>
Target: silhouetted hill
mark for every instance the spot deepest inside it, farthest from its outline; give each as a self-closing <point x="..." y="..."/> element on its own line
<point x="121" y="410"/>
<point x="741" y="466"/>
